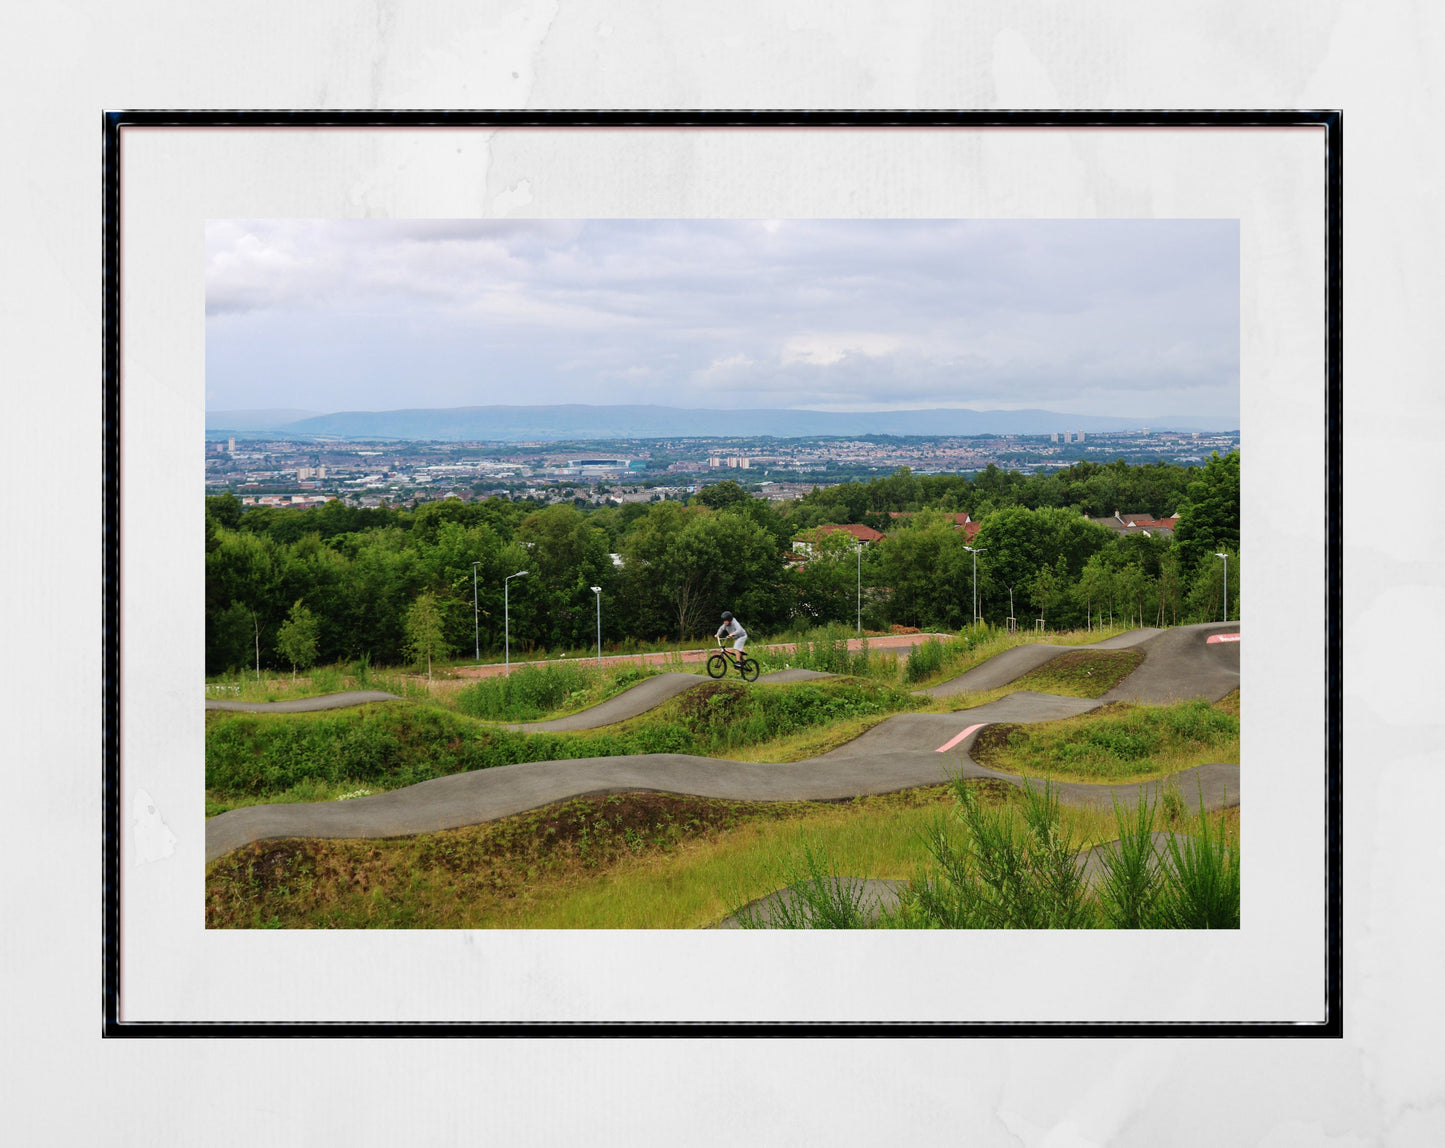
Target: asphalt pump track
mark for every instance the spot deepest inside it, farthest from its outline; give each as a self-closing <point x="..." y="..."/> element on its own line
<point x="905" y="751"/>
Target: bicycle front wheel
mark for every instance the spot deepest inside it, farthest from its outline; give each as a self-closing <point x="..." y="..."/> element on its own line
<point x="749" y="670"/>
<point x="717" y="666"/>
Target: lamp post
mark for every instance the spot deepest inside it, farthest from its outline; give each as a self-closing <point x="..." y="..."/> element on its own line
<point x="860" y="587"/>
<point x="1217" y="554"/>
<point x="976" y="551"/>
<point x="1011" y="623"/>
<point x="476" y="625"/>
<point x="507" y="617"/>
<point x="597" y="590"/>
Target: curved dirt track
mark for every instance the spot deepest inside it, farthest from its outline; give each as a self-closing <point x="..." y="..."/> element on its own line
<point x="903" y="752"/>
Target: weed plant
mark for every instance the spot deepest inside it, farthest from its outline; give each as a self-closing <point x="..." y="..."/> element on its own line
<point x="539" y="691"/>
<point x="826" y="650"/>
<point x="1018" y="866"/>
<point x="812" y="894"/>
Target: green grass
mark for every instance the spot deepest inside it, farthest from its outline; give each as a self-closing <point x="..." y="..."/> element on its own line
<point x="934" y="662"/>
<point x="251" y="758"/>
<point x="537" y="692"/>
<point x="1118" y="743"/>
<point x="635" y="860"/>
<point x="1081" y="673"/>
<point x="1016" y="865"/>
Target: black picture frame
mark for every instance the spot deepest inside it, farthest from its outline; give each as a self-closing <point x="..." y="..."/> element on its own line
<point x="116" y="122"/>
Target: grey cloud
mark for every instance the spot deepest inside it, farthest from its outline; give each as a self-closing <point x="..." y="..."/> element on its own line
<point x="903" y="312"/>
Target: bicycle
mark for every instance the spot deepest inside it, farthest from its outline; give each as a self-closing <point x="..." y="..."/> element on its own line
<point x="717" y="665"/>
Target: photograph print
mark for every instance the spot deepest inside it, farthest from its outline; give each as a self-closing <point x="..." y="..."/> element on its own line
<point x="691" y="574"/>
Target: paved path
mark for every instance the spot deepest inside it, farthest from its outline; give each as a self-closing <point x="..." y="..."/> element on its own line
<point x="304" y="705"/>
<point x="1015" y="663"/>
<point x="902" y="752"/>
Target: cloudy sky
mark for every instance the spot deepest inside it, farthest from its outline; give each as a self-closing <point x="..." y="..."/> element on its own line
<point x="1090" y="317"/>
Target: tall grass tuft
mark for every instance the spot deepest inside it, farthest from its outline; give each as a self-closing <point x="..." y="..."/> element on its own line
<point x="1018" y="866"/>
<point x="812" y="895"/>
<point x="1132" y="879"/>
<point x="1202" y="884"/>
<point x="826" y="650"/>
<point x="1000" y="874"/>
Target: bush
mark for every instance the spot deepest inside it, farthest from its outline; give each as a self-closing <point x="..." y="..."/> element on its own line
<point x="925" y="661"/>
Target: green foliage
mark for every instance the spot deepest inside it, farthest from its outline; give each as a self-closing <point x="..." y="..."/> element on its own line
<point x="534" y="691"/>
<point x="1111" y="744"/>
<point x="1132" y="879"/>
<point x="359" y="571"/>
<point x="998" y="873"/>
<point x="424" y="639"/>
<point x="827" y="651"/>
<point x="1209" y="515"/>
<point x="394" y="745"/>
<point x="296" y="639"/>
<point x="924" y="661"/>
<point x="1018" y="866"/>
<point x="813" y="895"/>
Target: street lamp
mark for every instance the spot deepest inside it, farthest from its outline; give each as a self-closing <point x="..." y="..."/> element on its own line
<point x="976" y="551"/>
<point x="597" y="590"/>
<point x="1012" y="625"/>
<point x="476" y="625"/>
<point x="507" y="616"/>
<point x="1217" y="554"/>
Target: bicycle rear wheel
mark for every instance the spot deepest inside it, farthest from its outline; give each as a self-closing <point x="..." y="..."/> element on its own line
<point x="749" y="670"/>
<point x="717" y="666"/>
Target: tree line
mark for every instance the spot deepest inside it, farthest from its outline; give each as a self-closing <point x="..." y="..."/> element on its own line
<point x="287" y="588"/>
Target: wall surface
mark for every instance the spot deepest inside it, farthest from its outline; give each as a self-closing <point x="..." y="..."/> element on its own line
<point x="63" y="64"/>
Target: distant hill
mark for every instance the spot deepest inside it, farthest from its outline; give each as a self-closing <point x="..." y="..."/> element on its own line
<point x="579" y="421"/>
<point x="238" y="421"/>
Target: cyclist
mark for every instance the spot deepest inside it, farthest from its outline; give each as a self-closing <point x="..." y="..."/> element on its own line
<point x="732" y="628"/>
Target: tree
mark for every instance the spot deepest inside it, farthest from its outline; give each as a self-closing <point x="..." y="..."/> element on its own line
<point x="242" y="577"/>
<point x="1209" y="515"/>
<point x="297" y="638"/>
<point x="720" y="495"/>
<point x="424" y="631"/>
<point x="1096" y="585"/>
<point x="930" y="573"/>
<point x="1169" y="590"/>
<point x="1206" y="599"/>
<point x="1048" y="588"/>
<point x="827" y="584"/>
<point x="1131" y="584"/>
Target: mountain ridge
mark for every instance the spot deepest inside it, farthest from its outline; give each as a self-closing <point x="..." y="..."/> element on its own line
<point x="573" y="421"/>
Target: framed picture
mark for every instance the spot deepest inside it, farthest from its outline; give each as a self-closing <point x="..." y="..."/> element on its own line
<point x="1269" y="182"/>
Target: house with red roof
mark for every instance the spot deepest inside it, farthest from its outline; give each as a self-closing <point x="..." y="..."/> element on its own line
<point x="961" y="521"/>
<point x="803" y="544"/>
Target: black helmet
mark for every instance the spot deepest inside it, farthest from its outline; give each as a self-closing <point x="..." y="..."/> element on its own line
<point x="727" y="617"/>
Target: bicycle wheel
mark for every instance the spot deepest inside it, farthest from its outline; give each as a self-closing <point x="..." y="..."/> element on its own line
<point x="749" y="670"/>
<point x="717" y="666"/>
